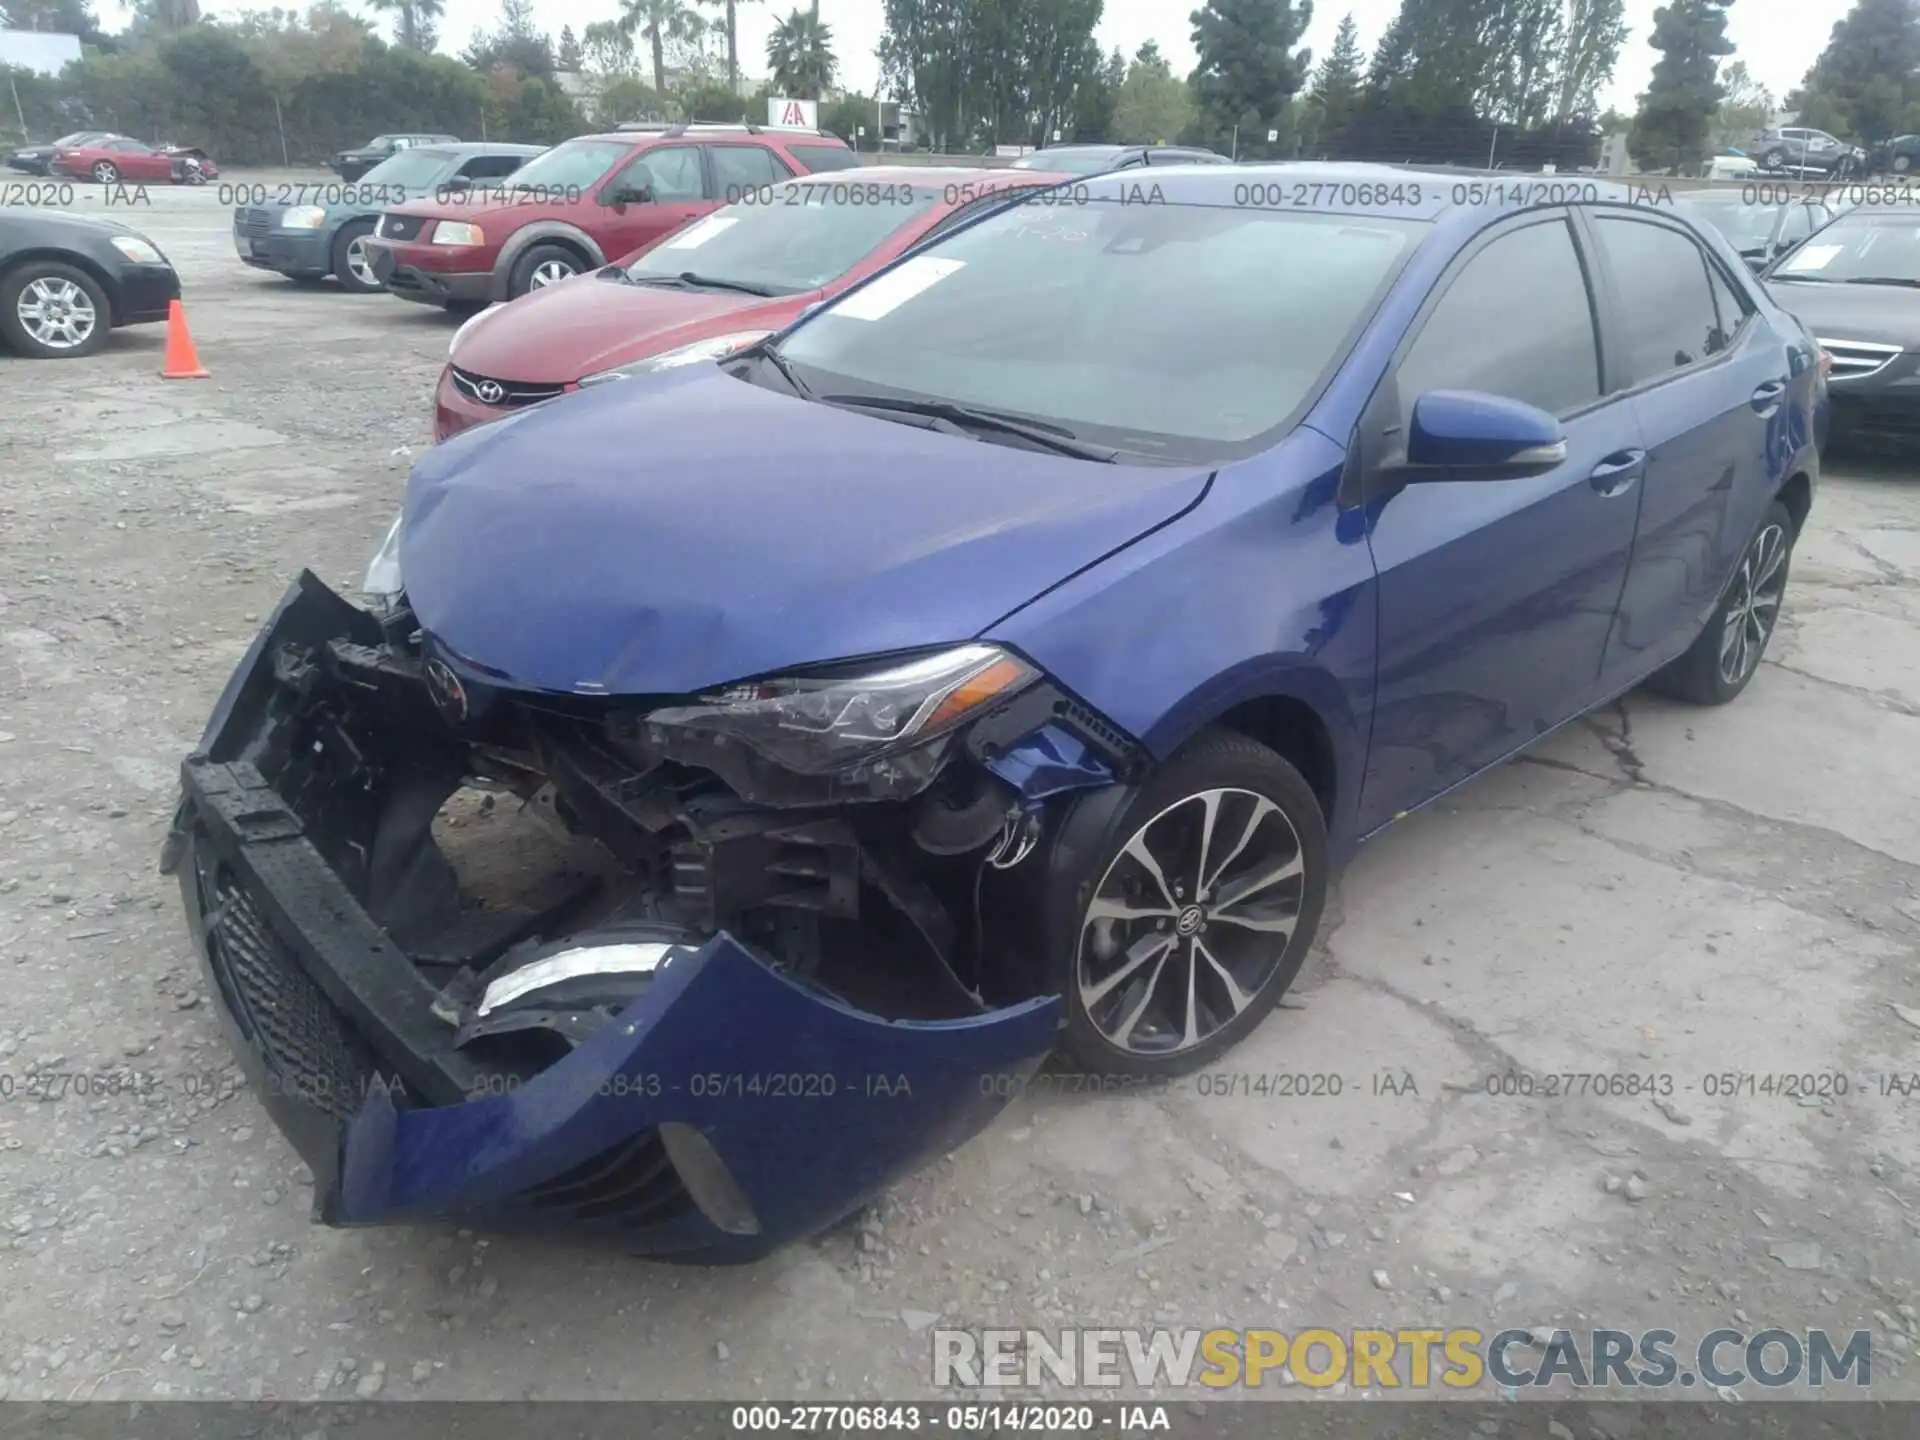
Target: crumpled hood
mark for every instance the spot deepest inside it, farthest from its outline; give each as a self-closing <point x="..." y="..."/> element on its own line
<point x="666" y="534"/>
<point x="561" y="332"/>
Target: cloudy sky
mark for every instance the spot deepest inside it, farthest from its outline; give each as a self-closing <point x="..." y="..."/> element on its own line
<point x="1777" y="38"/>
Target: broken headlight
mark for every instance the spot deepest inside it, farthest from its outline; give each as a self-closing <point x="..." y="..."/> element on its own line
<point x="826" y="724"/>
<point x="383" y="581"/>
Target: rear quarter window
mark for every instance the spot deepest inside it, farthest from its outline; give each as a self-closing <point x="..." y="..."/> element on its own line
<point x="816" y="158"/>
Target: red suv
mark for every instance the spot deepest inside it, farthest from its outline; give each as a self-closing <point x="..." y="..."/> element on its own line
<point x="722" y="284"/>
<point x="581" y="204"/>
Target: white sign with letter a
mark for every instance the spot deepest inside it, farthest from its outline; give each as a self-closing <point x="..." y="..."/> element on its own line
<point x="793" y="114"/>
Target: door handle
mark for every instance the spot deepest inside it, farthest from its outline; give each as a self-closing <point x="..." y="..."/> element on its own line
<point x="1766" y="398"/>
<point x="1615" y="474"/>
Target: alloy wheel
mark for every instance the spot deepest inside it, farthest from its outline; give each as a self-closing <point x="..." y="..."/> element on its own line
<point x="1190" y="921"/>
<point x="57" y="313"/>
<point x="549" y="272"/>
<point x="358" y="262"/>
<point x="1754" y="604"/>
<point x="105" y="173"/>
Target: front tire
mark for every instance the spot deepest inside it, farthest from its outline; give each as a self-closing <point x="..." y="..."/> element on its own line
<point x="1196" y="915"/>
<point x="541" y="266"/>
<point x="352" y="266"/>
<point x="50" y="311"/>
<point x="1724" y="659"/>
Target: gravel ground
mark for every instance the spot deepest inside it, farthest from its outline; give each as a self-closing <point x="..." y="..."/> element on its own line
<point x="1656" y="890"/>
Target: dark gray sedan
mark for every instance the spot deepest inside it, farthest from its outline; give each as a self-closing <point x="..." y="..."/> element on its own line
<point x="307" y="231"/>
<point x="1855" y="285"/>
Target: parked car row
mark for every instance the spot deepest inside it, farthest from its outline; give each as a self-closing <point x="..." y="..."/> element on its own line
<point x="109" y="159"/>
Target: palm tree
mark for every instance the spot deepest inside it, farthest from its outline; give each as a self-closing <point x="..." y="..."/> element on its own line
<point x="800" y="54"/>
<point x="733" y="53"/>
<point x="416" y="17"/>
<point x="661" y="21"/>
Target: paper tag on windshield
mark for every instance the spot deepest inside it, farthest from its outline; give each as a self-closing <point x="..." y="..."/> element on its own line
<point x="1812" y="258"/>
<point x="890" y="291"/>
<point x="695" y="236"/>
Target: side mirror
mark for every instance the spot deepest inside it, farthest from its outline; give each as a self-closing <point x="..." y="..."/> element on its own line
<point x="1467" y="435"/>
<point x="458" y="182"/>
<point x="631" y="193"/>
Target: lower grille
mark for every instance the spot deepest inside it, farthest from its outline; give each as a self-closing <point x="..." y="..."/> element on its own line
<point x="1857" y="359"/>
<point x="303" y="1038"/>
<point x="632" y="1183"/>
<point x="1883" y="417"/>
<point x="508" y="394"/>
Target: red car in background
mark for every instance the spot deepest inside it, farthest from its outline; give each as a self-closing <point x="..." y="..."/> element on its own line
<point x="580" y="205"/>
<point x="117" y="159"/>
<point x="717" y="286"/>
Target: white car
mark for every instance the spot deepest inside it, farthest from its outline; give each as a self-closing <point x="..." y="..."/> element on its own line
<point x="1731" y="167"/>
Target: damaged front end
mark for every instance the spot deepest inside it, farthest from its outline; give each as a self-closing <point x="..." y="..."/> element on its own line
<point x="705" y="972"/>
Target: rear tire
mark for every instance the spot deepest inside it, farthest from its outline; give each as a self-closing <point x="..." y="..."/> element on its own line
<point x="105" y="172"/>
<point x="1163" y="972"/>
<point x="1723" y="660"/>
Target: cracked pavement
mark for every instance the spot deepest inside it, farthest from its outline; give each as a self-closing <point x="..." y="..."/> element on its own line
<point x="1656" y="890"/>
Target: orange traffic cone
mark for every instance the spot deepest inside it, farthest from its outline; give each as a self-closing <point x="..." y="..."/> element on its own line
<point x="182" y="361"/>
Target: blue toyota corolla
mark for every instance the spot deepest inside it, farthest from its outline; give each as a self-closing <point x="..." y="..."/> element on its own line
<point x="742" y="776"/>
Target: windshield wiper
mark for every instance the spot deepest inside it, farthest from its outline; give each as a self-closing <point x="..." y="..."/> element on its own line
<point x="670" y="282"/>
<point x="1882" y="280"/>
<point x="714" y="282"/>
<point x="763" y="351"/>
<point x="966" y="418"/>
<point x="1805" y="279"/>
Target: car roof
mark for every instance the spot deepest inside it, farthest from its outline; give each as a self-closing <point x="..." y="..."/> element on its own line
<point x="478" y="147"/>
<point x="702" y="130"/>
<point x="1450" y="190"/>
<point x="931" y="175"/>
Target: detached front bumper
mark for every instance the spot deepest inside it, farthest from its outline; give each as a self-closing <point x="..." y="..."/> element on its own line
<point x="401" y="270"/>
<point x="726" y="1111"/>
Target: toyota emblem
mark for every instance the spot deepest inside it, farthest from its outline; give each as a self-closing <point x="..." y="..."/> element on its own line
<point x="490" y="392"/>
<point x="447" y="691"/>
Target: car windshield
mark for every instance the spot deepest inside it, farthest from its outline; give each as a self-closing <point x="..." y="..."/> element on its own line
<point x="1882" y="246"/>
<point x="789" y="238"/>
<point x="1068" y="162"/>
<point x="77" y="137"/>
<point x="573" y="166"/>
<point x="1185" y="333"/>
<point x="409" y="170"/>
<point x="1746" y="226"/>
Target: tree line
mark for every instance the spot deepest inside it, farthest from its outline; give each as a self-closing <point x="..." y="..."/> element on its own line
<point x="1464" y="82"/>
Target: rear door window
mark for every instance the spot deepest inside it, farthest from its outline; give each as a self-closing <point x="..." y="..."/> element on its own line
<point x="1731" y="306"/>
<point x="741" y="169"/>
<point x="1665" y="299"/>
<point x="674" y="171"/>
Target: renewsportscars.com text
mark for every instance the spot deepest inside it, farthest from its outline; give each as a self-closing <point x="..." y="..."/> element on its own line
<point x="1411" y="1358"/>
